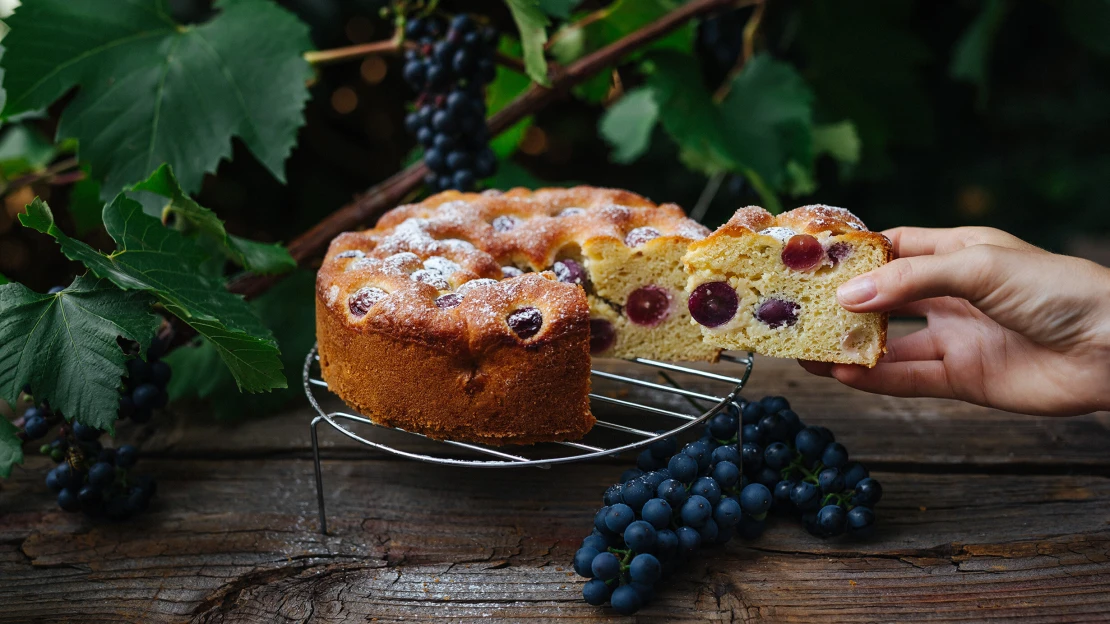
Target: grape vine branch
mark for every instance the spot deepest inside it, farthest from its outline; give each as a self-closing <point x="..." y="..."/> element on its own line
<point x="394" y="189"/>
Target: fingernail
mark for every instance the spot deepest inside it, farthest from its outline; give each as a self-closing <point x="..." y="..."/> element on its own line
<point x="857" y="291"/>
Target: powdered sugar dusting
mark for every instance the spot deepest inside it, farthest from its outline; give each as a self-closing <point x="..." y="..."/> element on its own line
<point x="781" y="234"/>
<point x="442" y="265"/>
<point x="431" y="278"/>
<point x="472" y="284"/>
<point x="333" y="294"/>
<point x="641" y="235"/>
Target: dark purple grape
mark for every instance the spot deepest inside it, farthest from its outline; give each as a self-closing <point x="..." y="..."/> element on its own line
<point x="777" y="313"/>
<point x="569" y="271"/>
<point x="648" y="305"/>
<point x="425" y="136"/>
<point x="433" y="158"/>
<point x="838" y="252"/>
<point x="145" y="396"/>
<point x="363" y="299"/>
<point x="713" y="303"/>
<point x="459" y="159"/>
<point x="602" y="336"/>
<point x="504" y="223"/>
<point x="449" y="300"/>
<point x="525" y="322"/>
<point x="510" y="271"/>
<point x="802" y="253"/>
<point x="444" y="143"/>
<point x="126" y="456"/>
<point x="463" y="180"/>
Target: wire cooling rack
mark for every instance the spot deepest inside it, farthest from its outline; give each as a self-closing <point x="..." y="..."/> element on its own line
<point x="658" y="401"/>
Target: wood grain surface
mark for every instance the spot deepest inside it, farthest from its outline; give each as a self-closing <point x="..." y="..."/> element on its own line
<point x="986" y="516"/>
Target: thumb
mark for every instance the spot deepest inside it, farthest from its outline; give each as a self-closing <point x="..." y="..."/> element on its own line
<point x="970" y="273"/>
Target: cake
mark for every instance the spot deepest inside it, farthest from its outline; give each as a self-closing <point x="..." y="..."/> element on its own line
<point x="767" y="284"/>
<point x="474" y="316"/>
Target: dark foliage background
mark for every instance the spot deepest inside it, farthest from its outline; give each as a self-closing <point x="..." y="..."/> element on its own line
<point x="1028" y="155"/>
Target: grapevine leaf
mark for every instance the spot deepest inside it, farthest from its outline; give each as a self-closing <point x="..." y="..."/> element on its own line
<point x="764" y="123"/>
<point x="64" y="345"/>
<point x="840" y="141"/>
<point x="769" y="117"/>
<point x="254" y="256"/>
<point x="627" y="125"/>
<point x="165" y="263"/>
<point x="559" y="9"/>
<point x="532" y="25"/>
<point x="11" y="447"/>
<point x="607" y="25"/>
<point x="153" y="91"/>
<point x="22" y="150"/>
<point x="288" y="309"/>
<point x="3" y="280"/>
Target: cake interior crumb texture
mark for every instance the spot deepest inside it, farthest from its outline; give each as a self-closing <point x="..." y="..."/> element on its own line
<point x="811" y="324"/>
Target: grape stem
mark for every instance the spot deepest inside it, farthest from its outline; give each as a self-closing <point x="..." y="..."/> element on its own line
<point x="370" y="205"/>
<point x="393" y="45"/>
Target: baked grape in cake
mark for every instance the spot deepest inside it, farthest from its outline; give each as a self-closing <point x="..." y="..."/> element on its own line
<point x="768" y="284"/>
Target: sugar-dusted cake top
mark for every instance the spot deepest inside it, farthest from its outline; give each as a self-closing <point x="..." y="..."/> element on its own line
<point x="470" y="259"/>
<point x="812" y="220"/>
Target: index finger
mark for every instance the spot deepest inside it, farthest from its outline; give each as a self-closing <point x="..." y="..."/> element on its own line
<point x="916" y="241"/>
<point x="908" y="242"/>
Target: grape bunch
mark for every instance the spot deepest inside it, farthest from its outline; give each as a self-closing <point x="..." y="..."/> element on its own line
<point x="714" y="488"/>
<point x="89" y="477"/>
<point x="806" y="471"/>
<point x="449" y="68"/>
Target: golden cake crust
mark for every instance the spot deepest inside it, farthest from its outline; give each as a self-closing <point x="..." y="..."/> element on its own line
<point x="412" y="314"/>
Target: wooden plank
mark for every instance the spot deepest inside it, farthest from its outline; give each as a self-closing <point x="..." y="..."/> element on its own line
<point x="922" y="434"/>
<point x="235" y="542"/>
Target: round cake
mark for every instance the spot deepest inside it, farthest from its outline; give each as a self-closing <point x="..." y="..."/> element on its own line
<point x="474" y="316"/>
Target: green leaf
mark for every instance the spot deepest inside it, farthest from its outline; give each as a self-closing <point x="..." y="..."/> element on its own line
<point x="289" y="310"/>
<point x="971" y="58"/>
<point x="764" y="123"/>
<point x="152" y="91"/>
<point x="627" y="125"/>
<point x="840" y="141"/>
<point x="165" y="263"/>
<point x="607" y="25"/>
<point x="11" y="447"/>
<point x="23" y="150"/>
<point x="559" y="9"/>
<point x="64" y="345"/>
<point x="257" y="257"/>
<point x="769" y="115"/>
<point x="532" y="25"/>
<point x="85" y="206"/>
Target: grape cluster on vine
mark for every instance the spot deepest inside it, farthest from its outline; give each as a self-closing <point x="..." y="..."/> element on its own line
<point x="449" y="68"/>
<point x="88" y="477"/>
<point x="676" y="501"/>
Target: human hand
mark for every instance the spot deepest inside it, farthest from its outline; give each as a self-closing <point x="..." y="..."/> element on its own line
<point x="1010" y="325"/>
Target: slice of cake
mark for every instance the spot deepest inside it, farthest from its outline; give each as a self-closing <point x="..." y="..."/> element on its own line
<point x="768" y="284"/>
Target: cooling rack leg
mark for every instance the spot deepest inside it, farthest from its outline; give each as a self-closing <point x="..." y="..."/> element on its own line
<point x="319" y="476"/>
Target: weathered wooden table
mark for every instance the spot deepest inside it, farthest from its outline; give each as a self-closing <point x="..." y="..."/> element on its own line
<point x="986" y="516"/>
